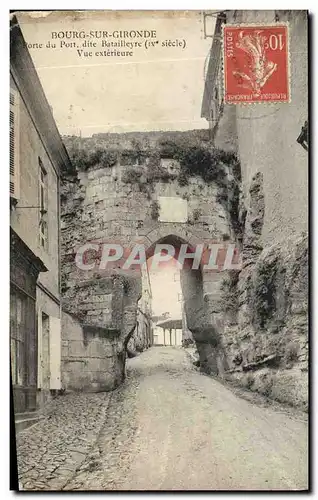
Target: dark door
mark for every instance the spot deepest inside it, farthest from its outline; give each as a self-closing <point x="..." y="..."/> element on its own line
<point x="23" y="350"/>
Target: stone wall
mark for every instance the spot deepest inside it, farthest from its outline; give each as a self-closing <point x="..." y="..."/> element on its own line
<point x="103" y="316"/>
<point x="266" y="324"/>
<point x="88" y="358"/>
<point x="116" y="194"/>
<point x="141" y="338"/>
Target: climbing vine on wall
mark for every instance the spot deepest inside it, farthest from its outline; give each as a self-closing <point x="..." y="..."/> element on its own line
<point x="82" y="159"/>
<point x="155" y="210"/>
<point x="229" y="292"/>
<point x="263" y="298"/>
<point x="143" y="166"/>
<point x="266" y="287"/>
<point x="195" y="159"/>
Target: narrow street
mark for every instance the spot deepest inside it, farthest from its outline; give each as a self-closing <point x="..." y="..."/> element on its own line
<point x="171" y="428"/>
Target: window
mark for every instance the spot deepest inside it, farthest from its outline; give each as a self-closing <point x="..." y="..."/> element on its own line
<point x="43" y="192"/>
<point x="43" y="233"/>
<point x="14" y="145"/>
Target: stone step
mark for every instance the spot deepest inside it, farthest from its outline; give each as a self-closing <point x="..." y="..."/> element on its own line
<point x="26" y="414"/>
<point x="23" y="421"/>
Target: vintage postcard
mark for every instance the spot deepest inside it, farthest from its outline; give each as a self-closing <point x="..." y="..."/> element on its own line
<point x="159" y="250"/>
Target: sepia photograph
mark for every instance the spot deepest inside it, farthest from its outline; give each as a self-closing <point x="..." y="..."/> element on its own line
<point x="159" y="199"/>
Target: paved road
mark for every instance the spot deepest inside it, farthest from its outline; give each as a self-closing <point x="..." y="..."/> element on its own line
<point x="171" y="428"/>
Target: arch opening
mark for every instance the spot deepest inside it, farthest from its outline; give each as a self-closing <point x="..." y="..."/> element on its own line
<point x="197" y="312"/>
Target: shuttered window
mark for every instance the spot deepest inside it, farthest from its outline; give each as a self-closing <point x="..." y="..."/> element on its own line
<point x="14" y="144"/>
<point x="18" y="329"/>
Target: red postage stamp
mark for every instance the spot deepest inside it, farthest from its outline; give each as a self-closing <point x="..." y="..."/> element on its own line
<point x="256" y="63"/>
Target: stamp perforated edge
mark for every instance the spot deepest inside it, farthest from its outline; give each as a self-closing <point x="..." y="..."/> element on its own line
<point x="256" y="25"/>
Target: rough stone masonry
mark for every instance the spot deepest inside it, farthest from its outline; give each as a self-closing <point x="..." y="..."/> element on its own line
<point x="125" y="189"/>
<point x="266" y="304"/>
<point x="249" y="325"/>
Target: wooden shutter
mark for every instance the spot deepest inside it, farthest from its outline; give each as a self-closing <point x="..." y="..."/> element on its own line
<point x="14" y="145"/>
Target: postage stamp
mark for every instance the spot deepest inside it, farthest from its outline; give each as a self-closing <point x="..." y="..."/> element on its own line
<point x="256" y="63"/>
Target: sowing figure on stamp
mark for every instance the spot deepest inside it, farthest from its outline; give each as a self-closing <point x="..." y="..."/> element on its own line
<point x="260" y="68"/>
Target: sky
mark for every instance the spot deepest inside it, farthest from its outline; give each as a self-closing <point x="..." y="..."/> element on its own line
<point x="166" y="291"/>
<point x="157" y="88"/>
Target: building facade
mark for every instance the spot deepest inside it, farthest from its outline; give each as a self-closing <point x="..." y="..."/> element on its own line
<point x="168" y="332"/>
<point x="132" y="198"/>
<point x="268" y="316"/>
<point x="36" y="157"/>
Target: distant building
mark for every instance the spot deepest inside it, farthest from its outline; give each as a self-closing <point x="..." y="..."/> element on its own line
<point x="37" y="156"/>
<point x="172" y="330"/>
<point x="168" y="332"/>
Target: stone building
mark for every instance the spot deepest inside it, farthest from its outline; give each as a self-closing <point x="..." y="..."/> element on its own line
<point x="169" y="332"/>
<point x="37" y="155"/>
<point x="131" y="189"/>
<point x="267" y="323"/>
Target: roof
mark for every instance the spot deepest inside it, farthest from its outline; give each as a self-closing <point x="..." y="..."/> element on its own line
<point x="170" y="323"/>
<point x="28" y="83"/>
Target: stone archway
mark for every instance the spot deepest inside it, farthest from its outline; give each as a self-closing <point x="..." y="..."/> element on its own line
<point x="131" y="202"/>
<point x="203" y="309"/>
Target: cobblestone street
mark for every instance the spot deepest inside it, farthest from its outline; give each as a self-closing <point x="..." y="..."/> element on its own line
<point x="167" y="428"/>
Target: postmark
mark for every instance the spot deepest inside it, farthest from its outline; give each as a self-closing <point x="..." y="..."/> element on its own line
<point x="256" y="63"/>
